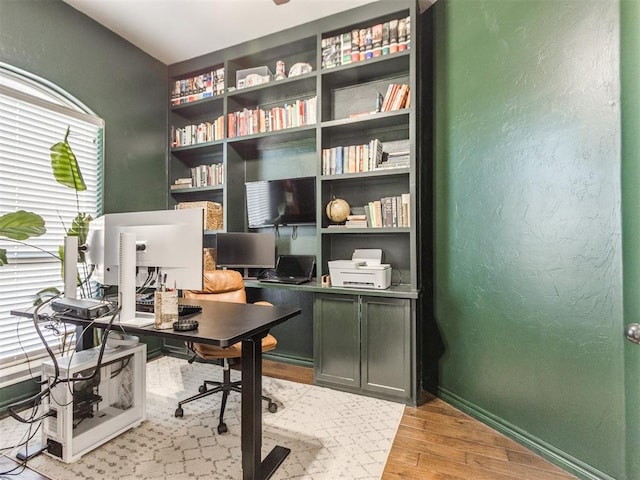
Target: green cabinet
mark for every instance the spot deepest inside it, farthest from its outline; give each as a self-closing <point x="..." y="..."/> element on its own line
<point x="337" y="340"/>
<point x="365" y="344"/>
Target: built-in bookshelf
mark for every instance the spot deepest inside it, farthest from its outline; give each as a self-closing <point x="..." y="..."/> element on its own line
<point x="340" y="108"/>
<point x="336" y="100"/>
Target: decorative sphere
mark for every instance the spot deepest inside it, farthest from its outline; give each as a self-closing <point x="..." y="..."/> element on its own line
<point x="338" y="210"/>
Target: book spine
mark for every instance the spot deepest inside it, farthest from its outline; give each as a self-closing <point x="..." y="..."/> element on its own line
<point x="339" y="161"/>
<point x="402" y="34"/>
<point x="345" y="48"/>
<point x="385" y="38"/>
<point x="393" y="36"/>
<point x="406" y="208"/>
<point x="355" y="45"/>
<point x="368" y="43"/>
<point x="376" y="40"/>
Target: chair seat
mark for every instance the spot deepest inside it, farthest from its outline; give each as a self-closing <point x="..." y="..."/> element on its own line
<point x="212" y="352"/>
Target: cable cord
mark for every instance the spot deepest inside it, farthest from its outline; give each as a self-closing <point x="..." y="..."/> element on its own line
<point x="36" y="399"/>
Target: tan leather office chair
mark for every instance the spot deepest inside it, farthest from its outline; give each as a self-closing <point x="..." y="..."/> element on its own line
<point x="222" y="286"/>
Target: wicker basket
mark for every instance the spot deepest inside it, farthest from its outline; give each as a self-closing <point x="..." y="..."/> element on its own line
<point x="212" y="213"/>
<point x="209" y="262"/>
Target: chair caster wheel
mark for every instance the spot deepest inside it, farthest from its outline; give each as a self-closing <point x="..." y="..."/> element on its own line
<point x="222" y="428"/>
<point x="179" y="412"/>
<point x="273" y="407"/>
<point x="202" y="388"/>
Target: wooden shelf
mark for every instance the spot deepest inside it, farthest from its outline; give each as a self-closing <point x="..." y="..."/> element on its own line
<point x="189" y="190"/>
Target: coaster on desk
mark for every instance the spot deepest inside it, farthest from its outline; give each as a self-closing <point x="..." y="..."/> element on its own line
<point x="185" y="325"/>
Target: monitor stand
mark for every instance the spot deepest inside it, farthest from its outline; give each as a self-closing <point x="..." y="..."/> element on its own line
<point x="127" y="284"/>
<point x="246" y="275"/>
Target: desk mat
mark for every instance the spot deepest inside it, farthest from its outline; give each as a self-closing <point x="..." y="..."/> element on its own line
<point x="331" y="434"/>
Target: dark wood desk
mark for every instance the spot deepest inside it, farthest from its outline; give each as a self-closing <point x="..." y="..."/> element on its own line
<point x="223" y="324"/>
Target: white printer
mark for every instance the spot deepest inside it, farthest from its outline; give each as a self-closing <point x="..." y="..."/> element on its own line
<point x="364" y="270"/>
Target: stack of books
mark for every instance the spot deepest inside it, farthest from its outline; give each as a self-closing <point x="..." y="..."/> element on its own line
<point x="356" y="221"/>
<point x="396" y="155"/>
<point x="182" y="183"/>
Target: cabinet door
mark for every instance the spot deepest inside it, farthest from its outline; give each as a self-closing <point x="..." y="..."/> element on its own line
<point x="386" y="346"/>
<point x="337" y="340"/>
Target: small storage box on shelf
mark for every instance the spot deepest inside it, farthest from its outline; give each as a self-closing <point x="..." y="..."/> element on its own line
<point x="212" y="213"/>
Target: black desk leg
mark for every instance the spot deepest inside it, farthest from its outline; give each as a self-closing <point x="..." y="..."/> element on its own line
<point x="252" y="466"/>
<point x="84" y="338"/>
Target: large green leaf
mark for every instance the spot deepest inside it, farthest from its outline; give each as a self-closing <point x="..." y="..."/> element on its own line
<point x="21" y="225"/>
<point x="65" y="167"/>
<point x="80" y="227"/>
<point x="3" y="257"/>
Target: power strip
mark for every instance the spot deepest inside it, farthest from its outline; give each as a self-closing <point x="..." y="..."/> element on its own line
<point x="86" y="308"/>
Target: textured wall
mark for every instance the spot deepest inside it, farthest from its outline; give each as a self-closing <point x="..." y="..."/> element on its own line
<point x="528" y="220"/>
<point x="120" y="83"/>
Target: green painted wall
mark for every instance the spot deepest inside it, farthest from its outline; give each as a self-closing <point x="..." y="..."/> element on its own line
<point x="120" y="83"/>
<point x="528" y="250"/>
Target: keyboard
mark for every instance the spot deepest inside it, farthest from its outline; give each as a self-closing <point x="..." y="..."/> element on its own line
<point x="188" y="310"/>
<point x="184" y="311"/>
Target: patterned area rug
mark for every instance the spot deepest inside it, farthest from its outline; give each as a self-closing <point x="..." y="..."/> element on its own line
<point x="331" y="434"/>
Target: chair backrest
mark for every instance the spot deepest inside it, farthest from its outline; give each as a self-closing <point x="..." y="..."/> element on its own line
<point x="221" y="286"/>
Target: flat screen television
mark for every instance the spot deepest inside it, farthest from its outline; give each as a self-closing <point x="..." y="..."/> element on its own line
<point x="290" y="201"/>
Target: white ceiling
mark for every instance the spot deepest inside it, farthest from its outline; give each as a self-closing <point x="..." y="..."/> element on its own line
<point x="176" y="30"/>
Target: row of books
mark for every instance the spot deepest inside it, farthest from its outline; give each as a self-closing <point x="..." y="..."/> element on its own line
<point x="397" y="97"/>
<point x="364" y="43"/>
<point x="351" y="158"/>
<point x="195" y="134"/>
<point x="201" y="176"/>
<point x="263" y="120"/>
<point x="389" y="212"/>
<point x="196" y="88"/>
<point x="364" y="158"/>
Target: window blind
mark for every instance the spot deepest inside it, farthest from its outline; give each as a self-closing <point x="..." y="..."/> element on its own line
<point x="33" y="117"/>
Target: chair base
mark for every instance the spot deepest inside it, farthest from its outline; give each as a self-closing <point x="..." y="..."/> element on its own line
<point x="225" y="386"/>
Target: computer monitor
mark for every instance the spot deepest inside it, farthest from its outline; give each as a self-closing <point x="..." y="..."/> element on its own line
<point x="126" y="248"/>
<point x="245" y="250"/>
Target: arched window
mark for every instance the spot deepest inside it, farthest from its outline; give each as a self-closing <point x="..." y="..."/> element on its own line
<point x="34" y="115"/>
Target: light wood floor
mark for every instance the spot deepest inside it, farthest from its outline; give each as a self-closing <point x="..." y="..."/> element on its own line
<point x="435" y="441"/>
